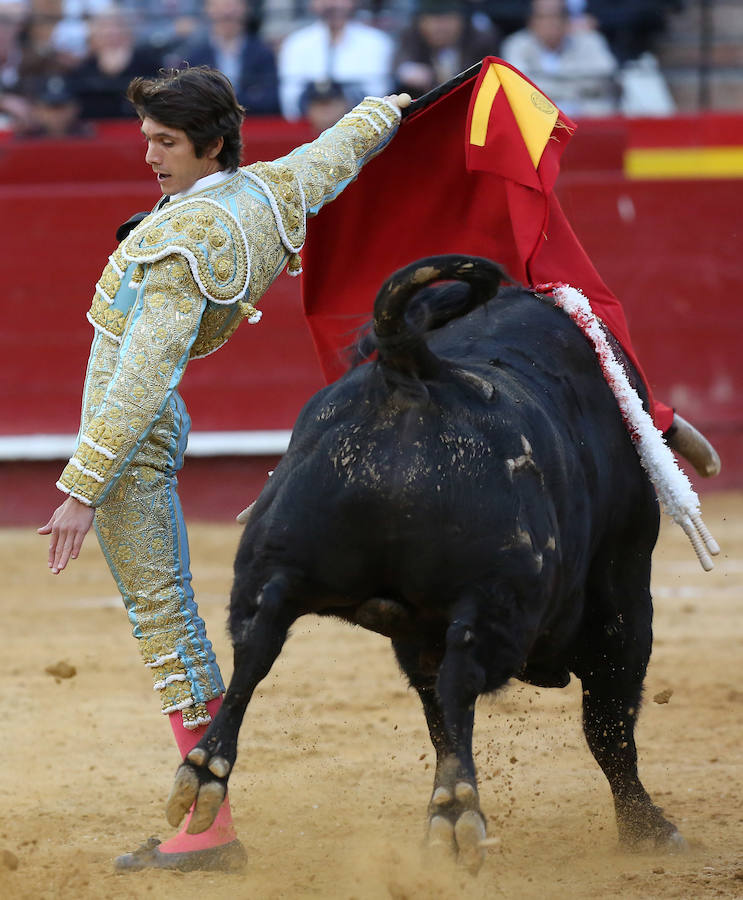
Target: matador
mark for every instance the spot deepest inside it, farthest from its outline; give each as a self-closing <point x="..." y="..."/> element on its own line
<point x="175" y="289"/>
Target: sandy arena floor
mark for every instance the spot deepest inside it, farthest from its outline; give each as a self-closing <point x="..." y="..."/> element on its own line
<point x="335" y="771"/>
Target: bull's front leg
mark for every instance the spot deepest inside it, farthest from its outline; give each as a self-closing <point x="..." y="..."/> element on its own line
<point x="202" y="777"/>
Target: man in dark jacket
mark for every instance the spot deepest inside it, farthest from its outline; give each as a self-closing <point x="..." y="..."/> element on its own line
<point x="245" y="60"/>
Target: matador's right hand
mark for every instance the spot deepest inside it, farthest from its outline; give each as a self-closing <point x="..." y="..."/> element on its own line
<point x="68" y="526"/>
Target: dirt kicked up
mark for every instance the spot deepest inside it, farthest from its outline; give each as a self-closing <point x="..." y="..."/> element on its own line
<point x="335" y="764"/>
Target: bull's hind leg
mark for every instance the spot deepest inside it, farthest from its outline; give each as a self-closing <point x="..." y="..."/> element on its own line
<point x="615" y="651"/>
<point x="258" y="639"/>
<point x="456" y="825"/>
<point x="609" y="716"/>
<point x="448" y="682"/>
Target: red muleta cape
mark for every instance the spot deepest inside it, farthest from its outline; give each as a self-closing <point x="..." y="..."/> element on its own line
<point x="471" y="173"/>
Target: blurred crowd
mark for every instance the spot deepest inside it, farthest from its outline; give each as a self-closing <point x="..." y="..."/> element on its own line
<point x="66" y="63"/>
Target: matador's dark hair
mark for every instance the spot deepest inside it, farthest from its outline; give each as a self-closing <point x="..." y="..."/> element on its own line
<point x="200" y="101"/>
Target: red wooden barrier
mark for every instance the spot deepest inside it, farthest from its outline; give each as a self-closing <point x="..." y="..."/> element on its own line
<point x="668" y="248"/>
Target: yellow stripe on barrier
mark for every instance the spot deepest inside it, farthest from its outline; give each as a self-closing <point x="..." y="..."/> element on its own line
<point x="684" y="162"/>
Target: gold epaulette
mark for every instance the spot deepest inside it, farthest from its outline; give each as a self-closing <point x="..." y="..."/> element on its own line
<point x="207" y="235"/>
<point x="283" y="189"/>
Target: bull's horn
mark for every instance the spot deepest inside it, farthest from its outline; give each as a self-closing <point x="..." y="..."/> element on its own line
<point x="690" y="443"/>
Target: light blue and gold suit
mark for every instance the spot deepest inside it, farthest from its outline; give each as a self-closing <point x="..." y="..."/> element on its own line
<point x="176" y="289"/>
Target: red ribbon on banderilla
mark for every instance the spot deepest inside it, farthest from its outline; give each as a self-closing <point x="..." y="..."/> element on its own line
<point x="674" y="489"/>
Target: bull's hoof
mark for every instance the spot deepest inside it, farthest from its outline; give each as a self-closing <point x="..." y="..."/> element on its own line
<point x="182" y="795"/>
<point x="456" y="827"/>
<point x="441" y="837"/>
<point x="465" y="840"/>
<point x="199" y="782"/>
<point x="651" y="832"/>
<point x="674" y="843"/>
<point x="470" y="833"/>
<point x="211" y="797"/>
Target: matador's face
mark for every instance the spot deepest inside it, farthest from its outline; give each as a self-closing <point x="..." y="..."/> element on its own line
<point x="173" y="159"/>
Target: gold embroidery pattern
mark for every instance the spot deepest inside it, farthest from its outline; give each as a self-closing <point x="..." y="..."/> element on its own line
<point x="338" y="153"/>
<point x="315" y="170"/>
<point x="135" y="529"/>
<point x="169" y="318"/>
<point x="218" y="324"/>
<point x="118" y="257"/>
<point x="287" y="193"/>
<point x="103" y="358"/>
<point x="206" y="235"/>
<point x="319" y="168"/>
<point x="111" y="319"/>
<point x="267" y="251"/>
<point x="109" y="282"/>
<point x="268" y="255"/>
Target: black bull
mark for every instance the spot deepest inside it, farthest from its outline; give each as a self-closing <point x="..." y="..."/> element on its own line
<point x="474" y="495"/>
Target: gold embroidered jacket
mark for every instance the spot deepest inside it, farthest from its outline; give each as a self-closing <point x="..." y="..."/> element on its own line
<point x="182" y="281"/>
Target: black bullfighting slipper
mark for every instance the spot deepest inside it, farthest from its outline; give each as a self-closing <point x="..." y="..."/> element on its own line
<point x="230" y="857"/>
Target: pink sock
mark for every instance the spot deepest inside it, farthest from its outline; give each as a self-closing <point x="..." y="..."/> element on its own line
<point x="222" y="830"/>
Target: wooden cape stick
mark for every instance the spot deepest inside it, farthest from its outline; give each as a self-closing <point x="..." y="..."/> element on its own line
<point x="435" y="93"/>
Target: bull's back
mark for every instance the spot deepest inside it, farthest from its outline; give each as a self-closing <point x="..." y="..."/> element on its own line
<point x="526" y="467"/>
<point x="546" y="378"/>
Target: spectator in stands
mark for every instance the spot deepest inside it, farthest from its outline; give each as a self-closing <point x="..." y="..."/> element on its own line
<point x="164" y="24"/>
<point x="245" y="60"/>
<point x="70" y="32"/>
<point x="337" y="48"/>
<point x="506" y="15"/>
<point x="14" y="107"/>
<point x="277" y="18"/>
<point x="630" y="26"/>
<point x="55" y="112"/>
<point x="43" y="53"/>
<point x="441" y="42"/>
<point x="30" y="53"/>
<point x="322" y="103"/>
<point x="100" y="82"/>
<point x="574" y="67"/>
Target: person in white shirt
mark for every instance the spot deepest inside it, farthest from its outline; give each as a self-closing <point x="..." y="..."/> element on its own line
<point x="334" y="48"/>
<point x="572" y="65"/>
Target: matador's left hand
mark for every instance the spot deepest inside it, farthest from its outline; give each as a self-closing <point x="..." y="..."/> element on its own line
<point x="400" y="100"/>
<point x="68" y="526"/>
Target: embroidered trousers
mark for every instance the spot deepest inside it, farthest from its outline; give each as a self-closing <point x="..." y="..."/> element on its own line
<point x="143" y="536"/>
